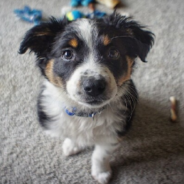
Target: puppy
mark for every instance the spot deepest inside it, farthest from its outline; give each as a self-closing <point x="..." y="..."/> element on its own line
<point x="88" y="97"/>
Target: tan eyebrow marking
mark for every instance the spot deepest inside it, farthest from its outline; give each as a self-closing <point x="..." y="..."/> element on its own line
<point x="50" y="74"/>
<point x="73" y="42"/>
<point x="106" y="40"/>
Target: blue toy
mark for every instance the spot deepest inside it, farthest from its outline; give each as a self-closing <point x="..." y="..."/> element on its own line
<point x="80" y="2"/>
<point x="28" y="15"/>
<point x="73" y="15"/>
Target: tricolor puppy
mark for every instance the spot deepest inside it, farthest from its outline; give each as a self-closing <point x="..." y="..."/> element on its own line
<point x="88" y="97"/>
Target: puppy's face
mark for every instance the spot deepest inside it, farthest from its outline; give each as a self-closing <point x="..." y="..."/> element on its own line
<point x="88" y="59"/>
<point x="90" y="63"/>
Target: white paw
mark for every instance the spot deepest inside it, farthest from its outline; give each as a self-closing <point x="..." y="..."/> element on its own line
<point x="102" y="177"/>
<point x="69" y="148"/>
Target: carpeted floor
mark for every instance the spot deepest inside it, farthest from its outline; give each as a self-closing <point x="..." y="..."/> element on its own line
<point x="153" y="151"/>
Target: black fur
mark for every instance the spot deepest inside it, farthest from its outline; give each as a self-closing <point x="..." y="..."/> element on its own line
<point x="130" y="100"/>
<point x="133" y="35"/>
<point x="62" y="68"/>
<point x="119" y="66"/>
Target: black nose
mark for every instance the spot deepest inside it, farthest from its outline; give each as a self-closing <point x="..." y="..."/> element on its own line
<point x="94" y="87"/>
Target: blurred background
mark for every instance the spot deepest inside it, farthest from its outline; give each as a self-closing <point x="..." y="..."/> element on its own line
<point x="152" y="152"/>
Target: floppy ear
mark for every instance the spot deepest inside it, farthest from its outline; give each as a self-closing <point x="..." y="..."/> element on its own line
<point x="136" y="39"/>
<point x="141" y="39"/>
<point x="40" y="38"/>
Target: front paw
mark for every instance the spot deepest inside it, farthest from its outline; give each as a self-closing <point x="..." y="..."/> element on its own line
<point x="102" y="177"/>
<point x="70" y="148"/>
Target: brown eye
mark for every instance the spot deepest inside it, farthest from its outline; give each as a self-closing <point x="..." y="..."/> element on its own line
<point x="113" y="53"/>
<point x="68" y="55"/>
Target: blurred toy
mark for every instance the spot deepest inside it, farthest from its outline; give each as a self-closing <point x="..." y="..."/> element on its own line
<point x="109" y="3"/>
<point x="76" y="14"/>
<point x="73" y="15"/>
<point x="28" y="15"/>
<point x="173" y="109"/>
<point x="80" y="2"/>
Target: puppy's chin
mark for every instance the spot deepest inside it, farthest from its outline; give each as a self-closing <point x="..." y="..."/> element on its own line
<point x="94" y="104"/>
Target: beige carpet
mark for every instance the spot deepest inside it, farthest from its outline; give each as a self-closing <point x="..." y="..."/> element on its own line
<point x="153" y="151"/>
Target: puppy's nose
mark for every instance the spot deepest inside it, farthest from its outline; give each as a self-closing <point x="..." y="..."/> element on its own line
<point x="94" y="87"/>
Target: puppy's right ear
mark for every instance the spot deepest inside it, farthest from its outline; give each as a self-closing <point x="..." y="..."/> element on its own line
<point x="40" y="38"/>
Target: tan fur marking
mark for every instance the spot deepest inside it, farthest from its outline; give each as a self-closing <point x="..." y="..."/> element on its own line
<point x="129" y="71"/>
<point x="44" y="33"/>
<point x="106" y="40"/>
<point x="50" y="74"/>
<point x="49" y="71"/>
<point x="73" y="42"/>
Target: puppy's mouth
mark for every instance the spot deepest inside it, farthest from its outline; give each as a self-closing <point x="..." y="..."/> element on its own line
<point x="94" y="103"/>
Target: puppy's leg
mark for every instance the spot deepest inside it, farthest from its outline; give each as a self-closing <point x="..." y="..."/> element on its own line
<point x="101" y="170"/>
<point x="70" y="147"/>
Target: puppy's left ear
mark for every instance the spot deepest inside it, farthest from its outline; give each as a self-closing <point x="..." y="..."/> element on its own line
<point x="139" y="40"/>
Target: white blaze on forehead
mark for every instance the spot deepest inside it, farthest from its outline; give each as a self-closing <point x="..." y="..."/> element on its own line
<point x="86" y="29"/>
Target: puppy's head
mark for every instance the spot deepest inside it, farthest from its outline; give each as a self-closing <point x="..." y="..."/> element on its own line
<point x="89" y="59"/>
